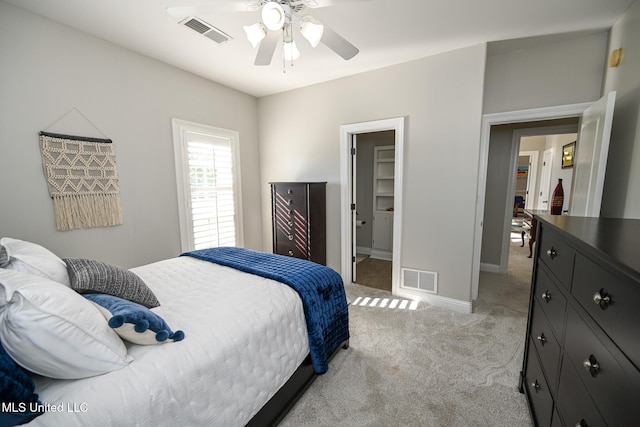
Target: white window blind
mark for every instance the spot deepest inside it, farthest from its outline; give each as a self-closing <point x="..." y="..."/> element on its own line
<point x="212" y="205"/>
<point x="207" y="167"/>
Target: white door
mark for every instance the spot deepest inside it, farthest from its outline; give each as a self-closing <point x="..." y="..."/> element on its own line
<point x="592" y="150"/>
<point x="529" y="200"/>
<point x="545" y="180"/>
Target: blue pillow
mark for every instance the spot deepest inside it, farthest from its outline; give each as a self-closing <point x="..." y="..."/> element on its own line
<point x="19" y="402"/>
<point x="134" y="322"/>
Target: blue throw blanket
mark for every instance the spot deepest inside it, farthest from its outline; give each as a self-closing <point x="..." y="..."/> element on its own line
<point x="320" y="288"/>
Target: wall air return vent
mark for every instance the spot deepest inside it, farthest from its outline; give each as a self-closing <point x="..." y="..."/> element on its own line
<point x="425" y="281"/>
<point x="209" y="31"/>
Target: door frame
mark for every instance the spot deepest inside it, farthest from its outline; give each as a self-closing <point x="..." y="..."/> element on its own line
<point x="347" y="225"/>
<point x="492" y="119"/>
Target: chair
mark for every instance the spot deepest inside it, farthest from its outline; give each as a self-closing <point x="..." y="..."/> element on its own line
<point x="518" y="205"/>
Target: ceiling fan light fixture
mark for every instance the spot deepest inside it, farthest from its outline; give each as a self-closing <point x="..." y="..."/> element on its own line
<point x="310" y="30"/>
<point x="255" y="33"/>
<point x="290" y="51"/>
<point x="273" y="15"/>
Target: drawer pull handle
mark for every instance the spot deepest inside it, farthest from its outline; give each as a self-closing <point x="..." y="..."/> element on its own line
<point x="602" y="298"/>
<point x="291" y="253"/>
<point x="581" y="423"/>
<point x="289" y="201"/>
<point x="552" y="253"/>
<point x="290" y="237"/>
<point x="289" y="191"/>
<point x="591" y="365"/>
<point x="546" y="296"/>
<point x="535" y="386"/>
<point x="290" y="223"/>
<point x="542" y="339"/>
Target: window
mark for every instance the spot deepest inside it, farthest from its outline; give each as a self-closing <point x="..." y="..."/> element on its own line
<point x="208" y="177"/>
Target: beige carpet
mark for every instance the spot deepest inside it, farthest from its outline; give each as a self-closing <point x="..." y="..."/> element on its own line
<point x="428" y="366"/>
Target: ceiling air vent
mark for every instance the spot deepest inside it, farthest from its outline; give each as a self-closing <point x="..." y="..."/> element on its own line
<point x="206" y="30"/>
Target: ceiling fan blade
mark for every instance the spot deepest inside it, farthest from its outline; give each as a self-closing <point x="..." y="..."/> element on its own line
<point x="267" y="48"/>
<point x="214" y="7"/>
<point x="338" y="44"/>
<point x="323" y="3"/>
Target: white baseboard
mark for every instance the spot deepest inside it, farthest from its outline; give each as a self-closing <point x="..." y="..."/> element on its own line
<point x="459" y="306"/>
<point x="382" y="254"/>
<point x="362" y="250"/>
<point x="489" y="268"/>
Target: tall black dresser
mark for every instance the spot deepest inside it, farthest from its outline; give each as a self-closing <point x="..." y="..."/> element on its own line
<point x="299" y="220"/>
<point x="581" y="363"/>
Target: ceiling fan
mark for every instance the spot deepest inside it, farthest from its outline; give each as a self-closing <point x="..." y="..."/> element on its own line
<point x="279" y="17"/>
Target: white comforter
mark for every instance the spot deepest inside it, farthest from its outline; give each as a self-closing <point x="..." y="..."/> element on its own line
<point x="244" y="337"/>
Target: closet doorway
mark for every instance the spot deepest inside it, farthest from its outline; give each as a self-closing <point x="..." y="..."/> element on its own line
<point x="374" y="178"/>
<point x="349" y="137"/>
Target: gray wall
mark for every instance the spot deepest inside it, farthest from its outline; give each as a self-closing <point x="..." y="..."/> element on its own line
<point x="441" y="98"/>
<point x="544" y="71"/>
<point x="621" y="191"/>
<point x="48" y="69"/>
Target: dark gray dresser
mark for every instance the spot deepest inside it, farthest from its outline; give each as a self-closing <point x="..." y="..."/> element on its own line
<point x="581" y="363"/>
<point x="299" y="220"/>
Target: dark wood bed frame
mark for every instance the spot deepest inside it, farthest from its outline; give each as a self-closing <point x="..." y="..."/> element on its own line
<point x="281" y="403"/>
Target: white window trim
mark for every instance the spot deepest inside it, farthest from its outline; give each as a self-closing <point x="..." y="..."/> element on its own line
<point x="180" y="128"/>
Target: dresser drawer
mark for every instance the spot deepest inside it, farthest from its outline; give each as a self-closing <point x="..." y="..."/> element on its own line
<point x="574" y="403"/>
<point x="291" y="195"/>
<point x="290" y="249"/>
<point x="610" y="378"/>
<point x="612" y="302"/>
<point x="291" y="204"/>
<point x="556" y="254"/>
<point x="292" y="236"/>
<point x="551" y="300"/>
<point x="547" y="346"/>
<point x="537" y="389"/>
<point x="291" y="189"/>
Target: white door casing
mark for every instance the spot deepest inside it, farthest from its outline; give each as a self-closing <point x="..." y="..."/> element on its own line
<point x="493" y="119"/>
<point x="346" y="176"/>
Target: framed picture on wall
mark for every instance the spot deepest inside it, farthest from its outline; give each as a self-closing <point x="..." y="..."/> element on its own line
<point x="568" y="153"/>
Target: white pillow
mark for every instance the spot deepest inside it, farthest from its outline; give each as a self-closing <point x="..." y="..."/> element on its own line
<point x="53" y="331"/>
<point x="33" y="259"/>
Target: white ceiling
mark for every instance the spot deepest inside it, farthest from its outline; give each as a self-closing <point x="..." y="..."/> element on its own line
<point x="387" y="32"/>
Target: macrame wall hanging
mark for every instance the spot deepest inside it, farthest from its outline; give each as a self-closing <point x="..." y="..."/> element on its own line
<point x="82" y="179"/>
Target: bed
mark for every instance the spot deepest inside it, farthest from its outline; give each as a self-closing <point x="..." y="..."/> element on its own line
<point x="243" y="358"/>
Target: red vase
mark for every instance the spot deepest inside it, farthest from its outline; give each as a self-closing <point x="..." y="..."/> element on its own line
<point x="558" y="199"/>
